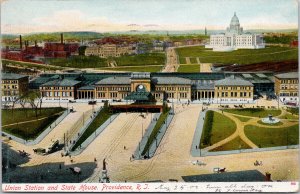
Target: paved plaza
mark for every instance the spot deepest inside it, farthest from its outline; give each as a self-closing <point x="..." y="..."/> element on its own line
<point x="172" y="159"/>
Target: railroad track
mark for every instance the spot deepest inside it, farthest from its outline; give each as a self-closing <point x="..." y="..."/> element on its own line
<point x="159" y="150"/>
<point x="113" y="145"/>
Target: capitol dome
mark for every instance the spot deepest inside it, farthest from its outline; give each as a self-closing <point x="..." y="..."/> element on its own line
<point x="234" y="21"/>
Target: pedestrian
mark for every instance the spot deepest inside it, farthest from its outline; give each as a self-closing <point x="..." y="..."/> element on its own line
<point x="130" y="159"/>
<point x="95" y="160"/>
<point x="59" y="166"/>
<point x="196" y="147"/>
<point x="124" y="147"/>
<point x="62" y="155"/>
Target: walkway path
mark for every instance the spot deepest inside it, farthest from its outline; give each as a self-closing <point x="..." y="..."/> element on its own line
<point x="172" y="63"/>
<point x="240" y="129"/>
<point x="188" y="60"/>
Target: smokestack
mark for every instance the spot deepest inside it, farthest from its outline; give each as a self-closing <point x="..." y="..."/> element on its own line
<point x="26" y="44"/>
<point x="20" y="42"/>
<point x="61" y="38"/>
<point x="35" y="43"/>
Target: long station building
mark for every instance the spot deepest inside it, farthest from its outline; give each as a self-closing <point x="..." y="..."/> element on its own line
<point x="143" y="86"/>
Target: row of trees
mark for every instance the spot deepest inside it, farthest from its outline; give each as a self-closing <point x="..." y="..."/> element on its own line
<point x="32" y="98"/>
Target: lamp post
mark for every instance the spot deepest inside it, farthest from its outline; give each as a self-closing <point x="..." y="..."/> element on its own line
<point x="287" y="138"/>
<point x="142" y="131"/>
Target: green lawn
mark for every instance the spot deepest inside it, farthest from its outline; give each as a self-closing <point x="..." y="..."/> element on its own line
<point x="275" y="124"/>
<point x="182" y="60"/>
<point x="271" y="137"/>
<point x="103" y="115"/>
<point x="97" y="62"/>
<point x="254" y="112"/>
<point x="16" y="115"/>
<point x="189" y="68"/>
<point x="155" y="130"/>
<point x="222" y="127"/>
<point x="241" y="56"/>
<point x="289" y="116"/>
<point x="29" y="130"/>
<point x="79" y="62"/>
<point x="235" y="144"/>
<point x="243" y="119"/>
<point x="136" y="69"/>
<point x="141" y="59"/>
<point x="294" y="111"/>
<point x="29" y="65"/>
<point x="193" y="60"/>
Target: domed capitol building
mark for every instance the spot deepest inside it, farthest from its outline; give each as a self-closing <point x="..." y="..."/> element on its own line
<point x="234" y="38"/>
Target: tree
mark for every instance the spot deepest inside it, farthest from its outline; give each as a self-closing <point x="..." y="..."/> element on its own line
<point x="35" y="100"/>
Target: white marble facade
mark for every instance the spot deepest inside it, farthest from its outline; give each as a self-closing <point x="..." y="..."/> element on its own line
<point x="234" y="38"/>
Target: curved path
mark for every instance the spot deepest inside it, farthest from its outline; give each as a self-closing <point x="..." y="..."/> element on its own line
<point x="241" y="125"/>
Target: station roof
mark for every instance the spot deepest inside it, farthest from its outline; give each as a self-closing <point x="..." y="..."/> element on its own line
<point x="61" y="82"/>
<point x="204" y="84"/>
<point x="170" y="80"/>
<point x="12" y="76"/>
<point x="115" y="80"/>
<point x="290" y="75"/>
<point x="233" y="81"/>
<point x="192" y="76"/>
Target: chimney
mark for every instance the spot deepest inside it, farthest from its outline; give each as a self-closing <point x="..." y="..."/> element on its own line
<point x="61" y="38"/>
<point x="20" y="42"/>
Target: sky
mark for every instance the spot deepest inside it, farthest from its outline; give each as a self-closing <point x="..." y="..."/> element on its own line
<point x="27" y="16"/>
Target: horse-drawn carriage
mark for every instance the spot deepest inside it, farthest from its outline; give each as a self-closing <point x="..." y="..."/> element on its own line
<point x="219" y="170"/>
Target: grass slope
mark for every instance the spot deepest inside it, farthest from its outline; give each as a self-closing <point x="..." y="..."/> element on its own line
<point x="103" y="115"/>
<point x="29" y="130"/>
<point x="189" y="68"/>
<point x="271" y="137"/>
<point x="235" y="144"/>
<point x="222" y="127"/>
<point x="155" y="131"/>
<point x="241" y="56"/>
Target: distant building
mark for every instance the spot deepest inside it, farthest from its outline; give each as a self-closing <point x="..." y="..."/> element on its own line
<point x="158" y="46"/>
<point x="109" y="50"/>
<point x="234" y="38"/>
<point x="13" y="86"/>
<point x="286" y="87"/>
<point x="294" y="43"/>
<point x="60" y="49"/>
<point x="111" y="47"/>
